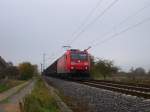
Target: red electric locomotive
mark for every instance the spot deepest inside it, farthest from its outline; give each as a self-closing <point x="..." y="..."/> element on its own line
<point x="74" y="63"/>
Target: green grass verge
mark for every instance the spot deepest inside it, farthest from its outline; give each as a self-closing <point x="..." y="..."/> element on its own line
<point x="40" y="99"/>
<point x="3" y="87"/>
<point x="9" y="84"/>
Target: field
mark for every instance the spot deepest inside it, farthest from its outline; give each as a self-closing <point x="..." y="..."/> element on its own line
<point x="138" y="79"/>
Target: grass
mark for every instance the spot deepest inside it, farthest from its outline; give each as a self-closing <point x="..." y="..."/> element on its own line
<point x="3" y="87"/>
<point x="9" y="84"/>
<point x="40" y="99"/>
<point x="5" y="101"/>
<point x="143" y="79"/>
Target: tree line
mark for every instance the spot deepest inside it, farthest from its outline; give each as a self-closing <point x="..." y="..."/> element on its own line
<point x="102" y="68"/>
<point x="23" y="71"/>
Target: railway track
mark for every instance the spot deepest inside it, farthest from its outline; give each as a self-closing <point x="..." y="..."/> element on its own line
<point x="129" y="89"/>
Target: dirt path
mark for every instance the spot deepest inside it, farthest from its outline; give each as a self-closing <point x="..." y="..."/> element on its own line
<point x="12" y="103"/>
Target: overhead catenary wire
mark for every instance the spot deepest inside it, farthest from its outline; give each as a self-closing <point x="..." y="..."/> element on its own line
<point x="118" y="33"/>
<point x="123" y="31"/>
<point x="86" y="19"/>
<point x="92" y="22"/>
<point x="54" y="56"/>
<point x="123" y="21"/>
<point x="135" y="13"/>
<point x="88" y="16"/>
<point x="82" y="24"/>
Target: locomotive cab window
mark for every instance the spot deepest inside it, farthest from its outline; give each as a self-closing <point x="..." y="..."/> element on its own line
<point x="81" y="56"/>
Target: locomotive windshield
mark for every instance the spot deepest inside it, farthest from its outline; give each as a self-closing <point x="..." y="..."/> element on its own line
<point x="79" y="56"/>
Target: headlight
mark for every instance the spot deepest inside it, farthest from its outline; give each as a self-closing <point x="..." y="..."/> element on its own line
<point x="72" y="67"/>
<point x="73" y="63"/>
<point x="86" y="64"/>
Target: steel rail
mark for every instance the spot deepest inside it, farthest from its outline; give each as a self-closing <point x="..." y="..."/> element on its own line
<point x="137" y="88"/>
<point x="120" y="88"/>
<point x="123" y="83"/>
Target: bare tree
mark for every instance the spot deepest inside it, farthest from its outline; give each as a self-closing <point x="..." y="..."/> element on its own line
<point x="140" y="71"/>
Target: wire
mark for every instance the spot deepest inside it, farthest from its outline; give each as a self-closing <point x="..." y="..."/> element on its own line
<point x="92" y="22"/>
<point x="54" y="56"/>
<point x="88" y="16"/>
<point x="134" y="14"/>
<point x="86" y="19"/>
<point x="123" y="21"/>
<point x="123" y="31"/>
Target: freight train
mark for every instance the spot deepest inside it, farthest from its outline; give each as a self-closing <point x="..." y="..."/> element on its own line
<point x="72" y="64"/>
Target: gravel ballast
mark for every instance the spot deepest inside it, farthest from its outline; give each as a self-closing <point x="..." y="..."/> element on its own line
<point x="99" y="100"/>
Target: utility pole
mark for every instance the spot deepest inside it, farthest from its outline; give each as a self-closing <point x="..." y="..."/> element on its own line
<point x="44" y="61"/>
<point x="41" y="68"/>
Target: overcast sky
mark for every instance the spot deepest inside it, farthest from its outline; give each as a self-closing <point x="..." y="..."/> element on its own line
<point x="29" y="28"/>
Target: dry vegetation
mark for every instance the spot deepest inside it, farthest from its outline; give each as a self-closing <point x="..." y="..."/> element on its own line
<point x="40" y="99"/>
<point x="131" y="78"/>
<point x="5" y="85"/>
<point x="106" y="70"/>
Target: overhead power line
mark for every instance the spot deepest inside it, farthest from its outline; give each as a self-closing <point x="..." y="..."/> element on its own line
<point x="123" y="31"/>
<point x="87" y="17"/>
<point x="122" y="22"/>
<point x="92" y="22"/>
<point x="134" y="14"/>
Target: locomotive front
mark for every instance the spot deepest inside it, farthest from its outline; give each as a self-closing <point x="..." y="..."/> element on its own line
<point x="79" y="62"/>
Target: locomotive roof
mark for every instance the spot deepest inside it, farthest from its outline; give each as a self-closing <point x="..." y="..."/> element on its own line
<point x="76" y="50"/>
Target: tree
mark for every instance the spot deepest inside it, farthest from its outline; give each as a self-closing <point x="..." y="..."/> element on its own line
<point x="148" y="72"/>
<point x="2" y="74"/>
<point x="10" y="64"/>
<point x="136" y="74"/>
<point x="140" y="71"/>
<point x="26" y="70"/>
<point x="10" y="72"/>
<point x="104" y="68"/>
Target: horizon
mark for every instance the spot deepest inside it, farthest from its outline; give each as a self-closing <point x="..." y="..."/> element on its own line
<point x="121" y="33"/>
